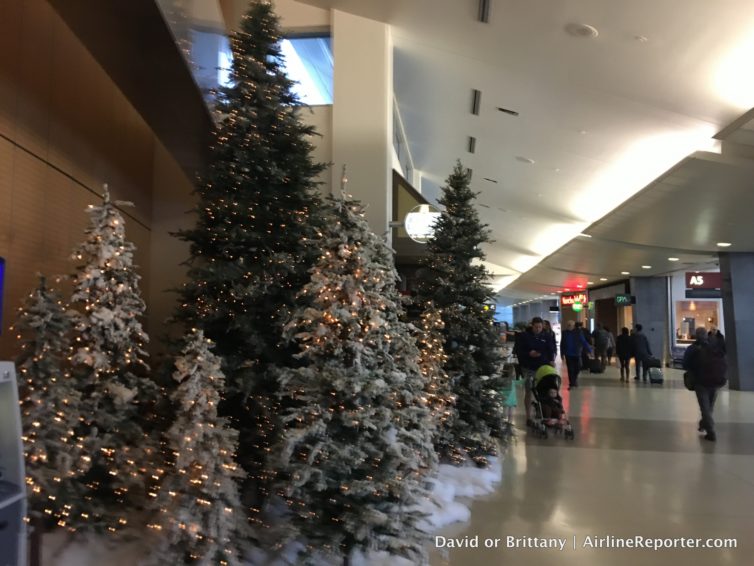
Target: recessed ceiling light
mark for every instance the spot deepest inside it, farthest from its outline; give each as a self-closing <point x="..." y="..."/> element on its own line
<point x="603" y="278"/>
<point x="646" y="267"/>
<point x="724" y="244"/>
<point x="590" y="282"/>
<point x="523" y="159"/>
<point x="580" y="286"/>
<point x="583" y="235"/>
<point x="625" y="273"/>
<point x="582" y="30"/>
<point x="672" y="259"/>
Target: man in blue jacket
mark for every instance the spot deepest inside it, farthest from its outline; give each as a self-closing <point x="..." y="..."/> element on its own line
<point x="572" y="344"/>
<point x="536" y="350"/>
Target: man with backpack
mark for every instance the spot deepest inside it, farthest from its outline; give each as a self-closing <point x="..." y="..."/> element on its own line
<point x="705" y="362"/>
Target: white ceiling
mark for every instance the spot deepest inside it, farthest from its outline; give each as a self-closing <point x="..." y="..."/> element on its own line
<point x="602" y="118"/>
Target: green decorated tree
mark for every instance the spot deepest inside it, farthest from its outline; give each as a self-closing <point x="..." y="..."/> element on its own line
<point x="357" y="450"/>
<point x="254" y="240"/>
<point x="110" y="369"/>
<point x="453" y="277"/>
<point x="199" y="513"/>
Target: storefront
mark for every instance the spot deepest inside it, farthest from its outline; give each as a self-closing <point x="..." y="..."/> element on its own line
<point x="696" y="302"/>
<point x="574" y="306"/>
<point x="612" y="307"/>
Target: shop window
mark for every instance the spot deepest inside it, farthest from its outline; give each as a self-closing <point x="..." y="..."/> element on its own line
<point x="690" y="315"/>
<point x="309" y="64"/>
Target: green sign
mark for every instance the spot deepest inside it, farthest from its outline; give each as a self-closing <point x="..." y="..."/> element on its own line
<point x="577" y="307"/>
<point x="622" y="300"/>
<point x="591" y="305"/>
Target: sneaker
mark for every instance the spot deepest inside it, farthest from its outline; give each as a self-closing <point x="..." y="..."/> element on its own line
<point x="711" y="436"/>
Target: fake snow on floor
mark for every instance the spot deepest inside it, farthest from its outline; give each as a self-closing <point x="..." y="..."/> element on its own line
<point x="442" y="509"/>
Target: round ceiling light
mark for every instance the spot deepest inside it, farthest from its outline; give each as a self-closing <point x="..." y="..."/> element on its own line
<point x="672" y="259"/>
<point x="724" y="244"/>
<point x="625" y="273"/>
<point x="603" y="278"/>
<point x="646" y="267"/>
<point x="582" y="30"/>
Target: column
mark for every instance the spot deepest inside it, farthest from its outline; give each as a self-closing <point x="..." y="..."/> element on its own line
<point x="651" y="311"/>
<point x="738" y="309"/>
<point x="362" y="113"/>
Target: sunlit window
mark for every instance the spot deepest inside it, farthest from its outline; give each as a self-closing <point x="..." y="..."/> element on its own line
<point x="309" y="63"/>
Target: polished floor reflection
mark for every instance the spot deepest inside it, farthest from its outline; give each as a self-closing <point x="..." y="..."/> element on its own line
<point x="637" y="467"/>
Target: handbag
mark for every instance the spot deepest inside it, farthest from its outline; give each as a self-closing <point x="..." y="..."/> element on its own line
<point x="689" y="380"/>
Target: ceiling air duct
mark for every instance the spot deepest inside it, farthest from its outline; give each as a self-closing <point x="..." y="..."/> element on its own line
<point x="484" y="11"/>
<point x="476" y="101"/>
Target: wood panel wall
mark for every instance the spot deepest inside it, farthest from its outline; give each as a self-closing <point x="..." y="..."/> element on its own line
<point x="65" y="129"/>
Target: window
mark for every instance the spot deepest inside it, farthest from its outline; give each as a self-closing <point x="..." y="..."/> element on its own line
<point x="690" y="315"/>
<point x="309" y="63"/>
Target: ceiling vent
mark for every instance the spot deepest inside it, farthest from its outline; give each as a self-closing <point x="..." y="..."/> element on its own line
<point x="507" y="111"/>
<point x="484" y="11"/>
<point x="490" y="180"/>
<point x="476" y="101"/>
<point x="472" y="144"/>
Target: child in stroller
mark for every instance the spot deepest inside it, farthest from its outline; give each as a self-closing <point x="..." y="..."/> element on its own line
<point x="548" y="404"/>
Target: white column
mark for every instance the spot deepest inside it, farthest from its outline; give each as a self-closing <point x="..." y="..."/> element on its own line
<point x="362" y="113"/>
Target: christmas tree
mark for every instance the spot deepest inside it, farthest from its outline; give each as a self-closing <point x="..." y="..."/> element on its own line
<point x="110" y="369"/>
<point x="453" y="279"/>
<point x="253" y="243"/>
<point x="357" y="449"/>
<point x="200" y="515"/>
<point x="50" y="408"/>
<point x="440" y="398"/>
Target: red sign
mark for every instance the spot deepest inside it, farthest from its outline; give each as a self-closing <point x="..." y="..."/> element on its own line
<point x="706" y="280"/>
<point x="569" y="300"/>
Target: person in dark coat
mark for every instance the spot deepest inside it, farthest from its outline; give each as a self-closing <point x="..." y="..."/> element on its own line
<point x="536" y="351"/>
<point x="706" y="363"/>
<point x="572" y="344"/>
<point x="588" y="337"/>
<point x="716" y="338"/>
<point x="642" y="352"/>
<point x="624" y="350"/>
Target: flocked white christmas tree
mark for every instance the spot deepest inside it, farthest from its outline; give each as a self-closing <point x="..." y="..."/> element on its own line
<point x="109" y="363"/>
<point x="200" y="518"/>
<point x="357" y="451"/>
<point x="50" y="408"/>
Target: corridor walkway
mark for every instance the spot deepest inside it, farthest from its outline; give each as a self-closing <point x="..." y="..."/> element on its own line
<point x="637" y="467"/>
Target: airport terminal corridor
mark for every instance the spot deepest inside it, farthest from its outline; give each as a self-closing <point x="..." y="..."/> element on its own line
<point x="637" y="467"/>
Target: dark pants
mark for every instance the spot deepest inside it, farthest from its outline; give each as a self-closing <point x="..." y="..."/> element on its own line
<point x="573" y="364"/>
<point x="641" y="364"/>
<point x="625" y="364"/>
<point x="706" y="397"/>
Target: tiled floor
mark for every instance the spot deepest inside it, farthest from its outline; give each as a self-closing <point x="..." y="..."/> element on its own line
<point x="636" y="468"/>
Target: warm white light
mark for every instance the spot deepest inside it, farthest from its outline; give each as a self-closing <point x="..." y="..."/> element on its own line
<point x="590" y="282"/>
<point x="731" y="82"/>
<point x="646" y="267"/>
<point x="625" y="273"/>
<point x="584" y="235"/>
<point x="724" y="244"/>
<point x="603" y="278"/>
<point x="672" y="259"/>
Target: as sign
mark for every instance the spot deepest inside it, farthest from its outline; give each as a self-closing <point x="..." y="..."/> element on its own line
<point x="701" y="280"/>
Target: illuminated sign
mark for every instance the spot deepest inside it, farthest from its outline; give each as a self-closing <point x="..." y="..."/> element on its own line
<point x="577" y="307"/>
<point x="571" y="300"/>
<point x="712" y="280"/>
<point x="623" y="300"/>
<point x="420" y="223"/>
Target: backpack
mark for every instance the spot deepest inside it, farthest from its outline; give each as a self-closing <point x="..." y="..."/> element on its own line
<point x="711" y="366"/>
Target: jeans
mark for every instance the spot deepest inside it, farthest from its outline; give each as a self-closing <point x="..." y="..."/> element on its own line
<point x="706" y="397"/>
<point x="573" y="364"/>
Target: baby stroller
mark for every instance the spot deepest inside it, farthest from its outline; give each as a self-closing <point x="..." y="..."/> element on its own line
<point x="548" y="411"/>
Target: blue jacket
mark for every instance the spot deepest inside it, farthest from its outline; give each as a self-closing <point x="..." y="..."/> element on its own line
<point x="541" y="343"/>
<point x="572" y="342"/>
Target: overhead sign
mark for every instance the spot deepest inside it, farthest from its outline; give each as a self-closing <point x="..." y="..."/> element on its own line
<point x="577" y="307"/>
<point x="704" y="280"/>
<point x="570" y="300"/>
<point x="420" y="222"/>
<point x="623" y="300"/>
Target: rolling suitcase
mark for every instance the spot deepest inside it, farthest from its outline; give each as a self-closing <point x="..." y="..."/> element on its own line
<point x="595" y="366"/>
<point x="655" y="376"/>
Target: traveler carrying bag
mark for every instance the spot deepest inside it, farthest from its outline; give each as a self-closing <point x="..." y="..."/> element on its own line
<point x="689" y="381"/>
<point x="655" y="376"/>
<point x="595" y="366"/>
<point x="653" y="362"/>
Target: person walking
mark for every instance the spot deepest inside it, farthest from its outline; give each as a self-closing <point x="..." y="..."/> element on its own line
<point x="624" y="352"/>
<point x="588" y="337"/>
<point x="705" y="361"/>
<point x="572" y="344"/>
<point x="536" y="351"/>
<point x="600" y="344"/>
<point x="716" y="338"/>
<point x="642" y="352"/>
<point x="610" y="345"/>
<point x="551" y="336"/>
